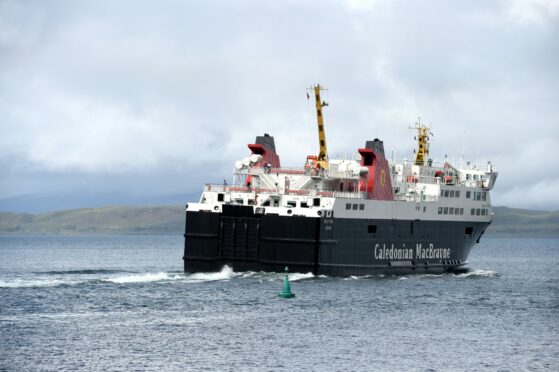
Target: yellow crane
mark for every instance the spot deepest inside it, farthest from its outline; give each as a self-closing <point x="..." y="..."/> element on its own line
<point x="422" y="142"/>
<point x="322" y="158"/>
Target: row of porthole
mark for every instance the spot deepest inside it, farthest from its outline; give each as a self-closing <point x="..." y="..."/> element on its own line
<point x="452" y="262"/>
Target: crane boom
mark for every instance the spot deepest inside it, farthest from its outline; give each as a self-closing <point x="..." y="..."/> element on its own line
<point x="322" y="158"/>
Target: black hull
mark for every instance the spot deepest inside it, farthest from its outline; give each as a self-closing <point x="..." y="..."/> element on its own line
<point x="329" y="246"/>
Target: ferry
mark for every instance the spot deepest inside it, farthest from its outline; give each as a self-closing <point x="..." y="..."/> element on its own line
<point x="339" y="217"/>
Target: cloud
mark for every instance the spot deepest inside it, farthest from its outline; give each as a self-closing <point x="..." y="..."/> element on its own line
<point x="129" y="89"/>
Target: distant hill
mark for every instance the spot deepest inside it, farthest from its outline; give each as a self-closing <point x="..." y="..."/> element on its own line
<point x="125" y="220"/>
<point x="42" y="203"/>
<point x="169" y="220"/>
<point x="524" y="222"/>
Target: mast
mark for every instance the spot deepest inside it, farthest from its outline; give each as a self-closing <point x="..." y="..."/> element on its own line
<point x="422" y="152"/>
<point x="322" y="158"/>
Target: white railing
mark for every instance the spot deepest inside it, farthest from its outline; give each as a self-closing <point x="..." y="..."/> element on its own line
<point x="307" y="192"/>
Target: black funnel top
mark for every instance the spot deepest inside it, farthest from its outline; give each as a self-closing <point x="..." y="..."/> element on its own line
<point x="376" y="145"/>
<point x="266" y="140"/>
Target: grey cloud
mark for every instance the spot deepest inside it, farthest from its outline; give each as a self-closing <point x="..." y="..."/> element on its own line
<point x="132" y="90"/>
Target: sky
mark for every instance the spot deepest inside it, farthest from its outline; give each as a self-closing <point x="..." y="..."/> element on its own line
<point x="159" y="97"/>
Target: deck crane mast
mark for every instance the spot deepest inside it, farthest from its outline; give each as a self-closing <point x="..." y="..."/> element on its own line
<point x="322" y="158"/>
<point x="422" y="152"/>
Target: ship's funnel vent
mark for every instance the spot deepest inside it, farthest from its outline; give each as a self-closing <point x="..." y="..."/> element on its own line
<point x="376" y="145"/>
<point x="266" y="140"/>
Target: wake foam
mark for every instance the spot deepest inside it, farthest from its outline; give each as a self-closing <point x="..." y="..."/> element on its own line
<point x="299" y="276"/>
<point x="143" y="278"/>
<point x="479" y="273"/>
<point x="31" y="283"/>
<point x="226" y="273"/>
<point x="82" y="272"/>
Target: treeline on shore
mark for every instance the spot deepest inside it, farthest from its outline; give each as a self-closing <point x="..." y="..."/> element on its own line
<point x="169" y="220"/>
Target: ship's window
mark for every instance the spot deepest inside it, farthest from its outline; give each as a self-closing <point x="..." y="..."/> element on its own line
<point x="446" y="192"/>
<point x="452" y="193"/>
<point x="347" y="206"/>
<point x="361" y="207"/>
<point x="451" y="210"/>
<point x="468" y="194"/>
<point x="469" y="230"/>
<point x="424" y="209"/>
<point x="304" y="205"/>
<point x="473" y="211"/>
<point x="440" y="210"/>
<point x="250" y="201"/>
<point x="475" y="177"/>
<point x="355" y="206"/>
<point x="292" y="204"/>
<point x="316" y="202"/>
<point x="239" y="201"/>
<point x="484" y="196"/>
<point x="442" y="193"/>
<point x="467" y="176"/>
<point x="372" y="229"/>
<point x="478" y="212"/>
<point x="445" y="210"/>
<point x="220" y="197"/>
<point x="461" y="211"/>
<point x="266" y="203"/>
<point x="457" y="194"/>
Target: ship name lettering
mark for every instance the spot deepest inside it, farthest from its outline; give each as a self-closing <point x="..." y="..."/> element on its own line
<point x="431" y="252"/>
<point x="391" y="253"/>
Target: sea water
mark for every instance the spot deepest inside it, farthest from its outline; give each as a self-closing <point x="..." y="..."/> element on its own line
<point x="123" y="303"/>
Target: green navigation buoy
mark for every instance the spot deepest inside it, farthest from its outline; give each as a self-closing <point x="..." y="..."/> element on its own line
<point x="286" y="291"/>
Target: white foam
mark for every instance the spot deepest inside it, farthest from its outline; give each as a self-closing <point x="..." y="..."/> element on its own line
<point x="481" y="273"/>
<point x="143" y="278"/>
<point x="28" y="283"/>
<point x="298" y="276"/>
<point x="226" y="273"/>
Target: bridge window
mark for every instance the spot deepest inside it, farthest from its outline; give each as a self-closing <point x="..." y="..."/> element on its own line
<point x="361" y="207"/>
<point x="451" y="210"/>
<point x="347" y="206"/>
<point x="446" y="192"/>
<point x="304" y="205"/>
<point x="484" y="196"/>
<point x="473" y="211"/>
<point x="461" y="211"/>
<point x="478" y="212"/>
<point x="452" y="193"/>
<point x="440" y="210"/>
<point x="457" y="193"/>
<point x="292" y="204"/>
<point x="220" y="197"/>
<point x="355" y="206"/>
<point x="316" y="202"/>
<point x="468" y="194"/>
<point x="445" y="210"/>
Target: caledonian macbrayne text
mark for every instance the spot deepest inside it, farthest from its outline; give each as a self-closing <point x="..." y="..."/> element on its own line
<point x="382" y="252"/>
